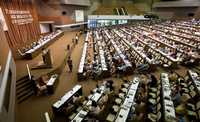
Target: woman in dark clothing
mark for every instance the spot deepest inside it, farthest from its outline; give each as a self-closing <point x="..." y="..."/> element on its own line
<point x="153" y="81"/>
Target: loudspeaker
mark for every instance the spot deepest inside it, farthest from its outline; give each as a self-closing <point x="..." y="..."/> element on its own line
<point x="64" y="13"/>
<point x="190" y="14"/>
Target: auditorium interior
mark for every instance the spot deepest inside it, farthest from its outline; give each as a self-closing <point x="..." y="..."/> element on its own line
<point x="99" y="60"/>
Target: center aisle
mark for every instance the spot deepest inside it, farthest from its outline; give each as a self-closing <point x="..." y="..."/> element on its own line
<point x="36" y="106"/>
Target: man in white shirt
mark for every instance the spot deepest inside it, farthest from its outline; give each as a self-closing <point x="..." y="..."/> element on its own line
<point x="76" y="38"/>
<point x="95" y="109"/>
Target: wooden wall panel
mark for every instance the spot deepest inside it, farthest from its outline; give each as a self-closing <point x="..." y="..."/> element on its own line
<point x="22" y="34"/>
<point x="52" y="10"/>
<point x="57" y="19"/>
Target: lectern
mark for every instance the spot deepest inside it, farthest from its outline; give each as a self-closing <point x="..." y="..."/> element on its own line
<point x="47" y="60"/>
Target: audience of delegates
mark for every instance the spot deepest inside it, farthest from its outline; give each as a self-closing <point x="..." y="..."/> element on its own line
<point x="114" y="63"/>
<point x="185" y="98"/>
<point x="95" y="109"/>
<point x="142" y="45"/>
<point x="154" y="43"/>
<point x="78" y="99"/>
<point x="183" y="42"/>
<point x="148" y="104"/>
<point x="157" y="44"/>
<point x="181" y="47"/>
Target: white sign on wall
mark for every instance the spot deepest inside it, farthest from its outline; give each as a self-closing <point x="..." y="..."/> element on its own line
<point x="3" y="21"/>
<point x="19" y="17"/>
<point x="79" y="14"/>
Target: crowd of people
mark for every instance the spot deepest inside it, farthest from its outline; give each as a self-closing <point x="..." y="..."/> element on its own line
<point x="150" y="100"/>
<point x="95" y="108"/>
<point x="152" y="43"/>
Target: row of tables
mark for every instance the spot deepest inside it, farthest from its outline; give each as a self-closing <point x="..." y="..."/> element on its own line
<point x="127" y="63"/>
<point x="182" y="29"/>
<point x="51" y="83"/>
<point x="98" y="92"/>
<point x="138" y="52"/>
<point x="157" y="50"/>
<point x="158" y="39"/>
<point x="192" y="24"/>
<point x="180" y="34"/>
<point x="195" y="78"/>
<point x="173" y="37"/>
<point x="168" y="105"/>
<point x="101" y="53"/>
<point x="57" y="106"/>
<point x="165" y="56"/>
<point x="83" y="56"/>
<point x="176" y="39"/>
<point x="128" y="102"/>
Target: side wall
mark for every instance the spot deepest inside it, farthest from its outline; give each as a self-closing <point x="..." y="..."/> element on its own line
<point x="176" y="13"/>
<point x="61" y="14"/>
<point x="7" y="81"/>
<point x="179" y="9"/>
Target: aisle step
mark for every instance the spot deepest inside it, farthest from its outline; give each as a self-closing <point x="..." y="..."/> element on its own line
<point x="24" y="89"/>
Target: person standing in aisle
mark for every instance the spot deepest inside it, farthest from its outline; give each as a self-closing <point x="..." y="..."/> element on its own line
<point x="68" y="47"/>
<point x="69" y="62"/>
<point x="76" y="38"/>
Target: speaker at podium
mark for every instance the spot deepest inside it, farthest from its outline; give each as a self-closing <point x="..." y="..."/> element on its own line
<point x="46" y="60"/>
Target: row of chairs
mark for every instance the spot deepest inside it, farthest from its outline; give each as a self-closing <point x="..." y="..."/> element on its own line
<point x="193" y="104"/>
<point x="154" y="102"/>
<point x="171" y="36"/>
<point x="181" y="35"/>
<point x="117" y="101"/>
<point x="189" y="96"/>
<point x="158" y="56"/>
<point x="91" y="115"/>
<point x="135" y="57"/>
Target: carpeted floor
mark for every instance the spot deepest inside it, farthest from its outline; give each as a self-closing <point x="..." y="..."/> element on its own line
<point x="32" y="110"/>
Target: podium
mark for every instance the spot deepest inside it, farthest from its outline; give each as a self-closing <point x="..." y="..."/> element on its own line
<point x="46" y="56"/>
<point x="47" y="61"/>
